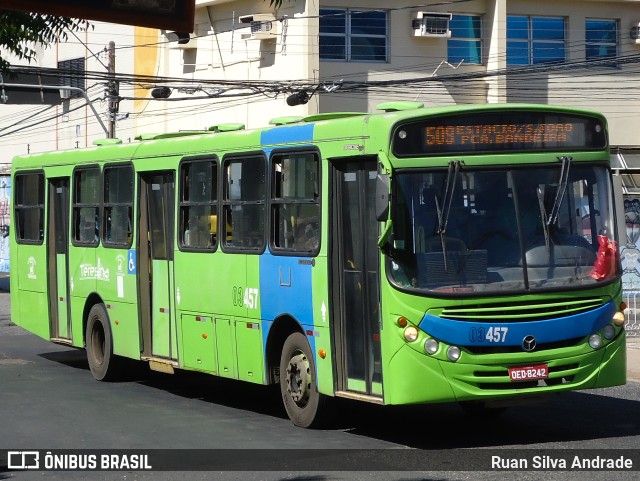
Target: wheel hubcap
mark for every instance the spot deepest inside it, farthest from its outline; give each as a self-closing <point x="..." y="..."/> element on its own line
<point x="299" y="379"/>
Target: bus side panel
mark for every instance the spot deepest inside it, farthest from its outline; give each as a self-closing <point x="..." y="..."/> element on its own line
<point x="13" y="282"/>
<point x="297" y="287"/>
<point x="249" y="331"/>
<point x="118" y="289"/>
<point x="249" y="350"/>
<point x="209" y="286"/>
<point x="198" y="332"/>
<point x="31" y="267"/>
<point x="125" y="329"/>
<point x="321" y="312"/>
<point x="83" y="272"/>
<point x="613" y="371"/>
<point x="77" y="313"/>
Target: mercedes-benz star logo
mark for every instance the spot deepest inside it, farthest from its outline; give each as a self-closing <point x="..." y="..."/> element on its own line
<point x="529" y="343"/>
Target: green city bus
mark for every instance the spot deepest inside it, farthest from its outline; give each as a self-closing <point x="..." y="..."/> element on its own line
<point x="414" y="255"/>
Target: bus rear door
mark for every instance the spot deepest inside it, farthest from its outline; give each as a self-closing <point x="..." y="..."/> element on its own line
<point x="155" y="264"/>
<point x="58" y="259"/>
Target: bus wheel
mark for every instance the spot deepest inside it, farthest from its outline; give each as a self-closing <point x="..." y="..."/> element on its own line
<point x="300" y="395"/>
<point x="99" y="345"/>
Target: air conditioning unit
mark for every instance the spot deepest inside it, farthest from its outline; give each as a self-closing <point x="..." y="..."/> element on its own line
<point x="635" y="33"/>
<point x="182" y="40"/>
<point x="263" y="26"/>
<point x="431" y="24"/>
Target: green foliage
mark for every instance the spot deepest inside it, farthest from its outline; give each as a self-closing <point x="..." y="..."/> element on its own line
<point x="20" y="30"/>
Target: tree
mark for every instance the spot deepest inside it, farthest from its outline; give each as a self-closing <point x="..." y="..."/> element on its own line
<point x="19" y="29"/>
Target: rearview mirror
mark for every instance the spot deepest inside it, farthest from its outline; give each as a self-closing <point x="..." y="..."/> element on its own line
<point x="382" y="197"/>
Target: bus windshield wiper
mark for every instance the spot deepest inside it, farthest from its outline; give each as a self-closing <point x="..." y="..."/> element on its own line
<point x="552" y="218"/>
<point x="444" y="210"/>
<point x="544" y="218"/>
<point x="562" y="188"/>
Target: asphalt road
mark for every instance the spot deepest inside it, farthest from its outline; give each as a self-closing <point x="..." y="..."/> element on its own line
<point x="49" y="401"/>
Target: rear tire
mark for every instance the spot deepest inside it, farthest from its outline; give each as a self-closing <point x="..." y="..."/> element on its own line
<point x="298" y="383"/>
<point x="99" y="344"/>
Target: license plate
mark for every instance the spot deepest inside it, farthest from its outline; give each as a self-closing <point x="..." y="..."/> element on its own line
<point x="528" y="373"/>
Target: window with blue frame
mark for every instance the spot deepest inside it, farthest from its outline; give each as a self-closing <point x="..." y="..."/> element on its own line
<point x="353" y="35"/>
<point x="601" y="39"/>
<point x="535" y="40"/>
<point x="465" y="43"/>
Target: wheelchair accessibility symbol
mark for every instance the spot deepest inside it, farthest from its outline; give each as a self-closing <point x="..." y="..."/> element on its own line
<point x="131" y="263"/>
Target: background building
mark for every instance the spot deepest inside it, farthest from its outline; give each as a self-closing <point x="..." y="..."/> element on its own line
<point x="244" y="59"/>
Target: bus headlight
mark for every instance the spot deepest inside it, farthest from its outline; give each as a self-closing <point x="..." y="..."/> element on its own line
<point x="411" y="334"/>
<point x="595" y="341"/>
<point x="453" y="353"/>
<point x="609" y="332"/>
<point x="431" y="346"/>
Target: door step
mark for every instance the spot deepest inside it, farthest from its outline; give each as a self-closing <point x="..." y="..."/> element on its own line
<point x="161" y="365"/>
<point x="360" y="397"/>
<point x="61" y="340"/>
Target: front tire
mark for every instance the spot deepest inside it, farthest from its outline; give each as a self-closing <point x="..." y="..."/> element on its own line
<point x="99" y="344"/>
<point x="298" y="383"/>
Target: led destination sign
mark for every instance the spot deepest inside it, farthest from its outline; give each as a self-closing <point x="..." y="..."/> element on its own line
<point x="483" y="135"/>
<point x="500" y="132"/>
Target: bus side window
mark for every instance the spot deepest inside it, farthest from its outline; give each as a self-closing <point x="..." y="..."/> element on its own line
<point x="295" y="202"/>
<point x="198" y="204"/>
<point x="118" y="205"/>
<point x="244" y="203"/>
<point x="86" y="201"/>
<point x="29" y="207"/>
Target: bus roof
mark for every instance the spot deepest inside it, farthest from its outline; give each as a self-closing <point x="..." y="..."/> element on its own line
<point x="227" y="137"/>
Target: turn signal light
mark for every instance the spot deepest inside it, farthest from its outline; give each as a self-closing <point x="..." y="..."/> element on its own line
<point x="402" y="321"/>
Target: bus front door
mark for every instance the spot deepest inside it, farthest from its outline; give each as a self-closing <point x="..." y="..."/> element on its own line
<point x="355" y="267"/>
<point x="155" y="265"/>
<point x="58" y="259"/>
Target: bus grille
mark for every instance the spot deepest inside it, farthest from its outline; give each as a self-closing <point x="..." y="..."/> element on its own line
<point x="511" y="349"/>
<point x="499" y="380"/>
<point x="522" y="311"/>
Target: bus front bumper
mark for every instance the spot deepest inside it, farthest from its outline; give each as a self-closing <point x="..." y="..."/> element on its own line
<point x="415" y="377"/>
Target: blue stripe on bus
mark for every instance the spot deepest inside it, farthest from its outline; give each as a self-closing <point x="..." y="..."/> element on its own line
<point x="287" y="133"/>
<point x="285" y="289"/>
<point x="285" y="284"/>
<point x="466" y="333"/>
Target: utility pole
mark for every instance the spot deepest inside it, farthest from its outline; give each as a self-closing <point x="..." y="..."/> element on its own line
<point x="113" y="90"/>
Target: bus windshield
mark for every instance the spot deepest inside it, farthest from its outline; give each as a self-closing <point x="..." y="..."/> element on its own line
<point x="459" y="231"/>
